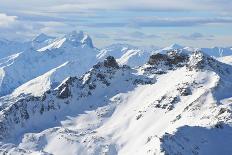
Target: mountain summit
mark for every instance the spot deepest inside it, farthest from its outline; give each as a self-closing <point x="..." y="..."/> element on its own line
<point x="79" y="38"/>
<point x="70" y="41"/>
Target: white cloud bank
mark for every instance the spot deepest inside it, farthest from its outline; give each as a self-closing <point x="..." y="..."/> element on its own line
<point x="6" y="20"/>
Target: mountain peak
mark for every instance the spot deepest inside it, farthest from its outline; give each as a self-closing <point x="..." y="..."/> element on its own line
<point x="110" y="62"/>
<point x="42" y="37"/>
<point x="176" y="46"/>
<point x="173" y="47"/>
<point x="79" y="38"/>
<point x="70" y="40"/>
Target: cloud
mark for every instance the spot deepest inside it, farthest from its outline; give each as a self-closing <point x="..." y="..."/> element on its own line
<point x="143" y="20"/>
<point x="196" y="36"/>
<point x="164" y="22"/>
<point x="140" y="5"/>
<point x="141" y="35"/>
<point x="126" y="40"/>
<point x="134" y="36"/>
<point x="179" y="22"/>
<point x="88" y="6"/>
<point x="6" y="20"/>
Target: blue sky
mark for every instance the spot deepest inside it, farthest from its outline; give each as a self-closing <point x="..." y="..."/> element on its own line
<point x="198" y="23"/>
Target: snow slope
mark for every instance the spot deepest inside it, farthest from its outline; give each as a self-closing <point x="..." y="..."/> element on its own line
<point x="218" y="51"/>
<point x="125" y="54"/>
<point x="41" y="40"/>
<point x="226" y="59"/>
<point x="8" y="48"/>
<point x="177" y="103"/>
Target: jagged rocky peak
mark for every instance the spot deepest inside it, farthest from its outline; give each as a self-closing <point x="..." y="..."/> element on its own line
<point x="199" y="60"/>
<point x="173" y="57"/>
<point x="109" y="62"/>
<point x="160" y="63"/>
<point x="156" y="58"/>
<point x="79" y="38"/>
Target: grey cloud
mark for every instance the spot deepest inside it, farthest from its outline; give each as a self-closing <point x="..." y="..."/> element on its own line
<point x="141" y="35"/>
<point x="196" y="36"/>
<point x="164" y="22"/>
<point x="126" y="40"/>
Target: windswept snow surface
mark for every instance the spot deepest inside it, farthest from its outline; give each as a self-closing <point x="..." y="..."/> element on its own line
<point x="115" y="109"/>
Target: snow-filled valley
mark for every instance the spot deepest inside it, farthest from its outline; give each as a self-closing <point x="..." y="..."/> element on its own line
<point x="65" y="96"/>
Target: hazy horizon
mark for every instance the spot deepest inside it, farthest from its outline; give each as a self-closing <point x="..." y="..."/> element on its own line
<point x="195" y="23"/>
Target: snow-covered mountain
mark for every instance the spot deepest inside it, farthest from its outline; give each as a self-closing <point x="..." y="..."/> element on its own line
<point x="126" y="54"/>
<point x="41" y="41"/>
<point x="50" y="60"/>
<point x="176" y="103"/>
<point x="175" y="47"/>
<point x="44" y="54"/>
<point x="214" y="51"/>
<point x="74" y="49"/>
<point x="65" y="96"/>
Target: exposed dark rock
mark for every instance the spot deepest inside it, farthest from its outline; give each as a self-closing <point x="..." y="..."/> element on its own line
<point x="63" y="90"/>
<point x="222" y="110"/>
<point x="143" y="81"/>
<point x="219" y="125"/>
<point x="184" y="91"/>
<point x="110" y="62"/>
<point x="64" y="93"/>
<point x="139" y="116"/>
<point x="100" y="76"/>
<point x="157" y="58"/>
<point x="167" y="102"/>
<point x="92" y="86"/>
<point x="171" y="58"/>
<point x="161" y="63"/>
<point x="24" y="114"/>
<point x="178" y="59"/>
<point x="42" y="109"/>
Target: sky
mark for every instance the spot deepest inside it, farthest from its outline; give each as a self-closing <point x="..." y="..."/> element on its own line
<point x="196" y="23"/>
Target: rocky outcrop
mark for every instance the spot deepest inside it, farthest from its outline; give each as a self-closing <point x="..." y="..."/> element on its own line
<point x="200" y="61"/>
<point x="64" y="90"/>
<point x="171" y="58"/>
<point x="157" y="58"/>
<point x="110" y="62"/>
<point x="161" y="63"/>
